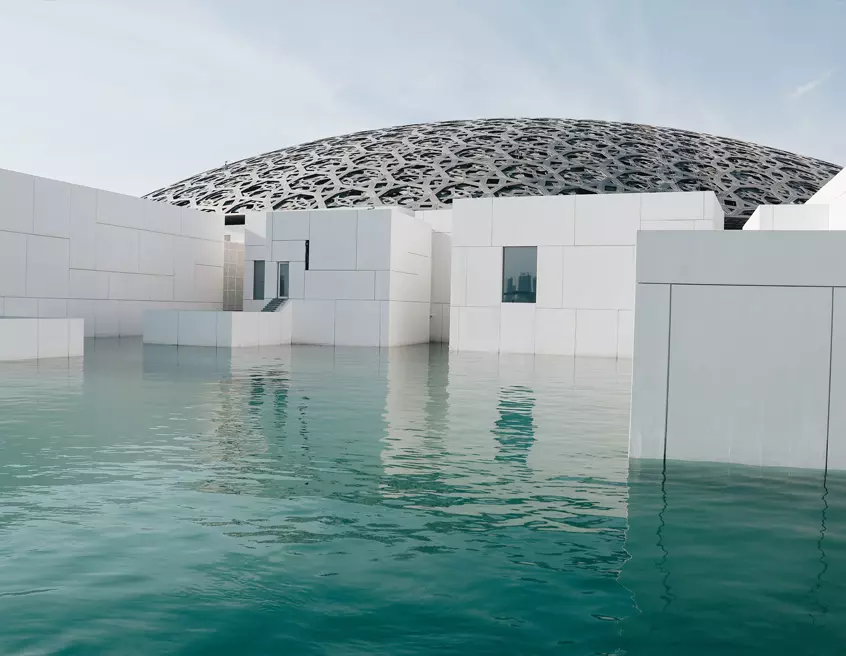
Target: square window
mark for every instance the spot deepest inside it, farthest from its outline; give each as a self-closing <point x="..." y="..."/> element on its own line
<point x="519" y="274"/>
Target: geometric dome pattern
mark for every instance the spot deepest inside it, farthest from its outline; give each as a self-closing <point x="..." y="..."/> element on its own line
<point x="427" y="166"/>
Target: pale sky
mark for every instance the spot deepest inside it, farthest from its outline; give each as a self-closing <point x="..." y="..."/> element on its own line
<point x="132" y="95"/>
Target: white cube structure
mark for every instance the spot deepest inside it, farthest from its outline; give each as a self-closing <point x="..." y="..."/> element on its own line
<point x="740" y="348"/>
<point x="354" y="277"/>
<point x="38" y="338"/>
<point x="68" y="251"/>
<point x="585" y="268"/>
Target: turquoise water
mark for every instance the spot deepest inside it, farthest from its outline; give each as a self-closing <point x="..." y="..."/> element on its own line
<point x="312" y="501"/>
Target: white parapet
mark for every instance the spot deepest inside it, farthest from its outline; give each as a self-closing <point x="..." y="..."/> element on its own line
<point x="218" y="329"/>
<point x="740" y="348"/>
<point x="24" y="338"/>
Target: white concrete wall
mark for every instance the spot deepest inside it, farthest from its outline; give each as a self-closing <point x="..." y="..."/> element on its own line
<point x="740" y="348"/>
<point x="219" y="329"/>
<point x="789" y="217"/>
<point x="586" y="265"/>
<point x="34" y="338"/>
<point x="72" y="251"/>
<point x="369" y="278"/>
<point x="441" y="222"/>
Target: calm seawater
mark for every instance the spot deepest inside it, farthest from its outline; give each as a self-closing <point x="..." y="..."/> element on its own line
<point x="352" y="501"/>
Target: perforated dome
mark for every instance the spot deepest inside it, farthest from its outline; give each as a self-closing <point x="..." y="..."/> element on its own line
<point x="426" y="166"/>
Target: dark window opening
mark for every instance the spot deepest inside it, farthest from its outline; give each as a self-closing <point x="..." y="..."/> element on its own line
<point x="306" y="255"/>
<point x="519" y="274"/>
<point x="258" y="280"/>
<point x="234" y="219"/>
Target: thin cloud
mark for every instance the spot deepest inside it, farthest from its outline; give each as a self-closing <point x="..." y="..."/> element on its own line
<point x="803" y="89"/>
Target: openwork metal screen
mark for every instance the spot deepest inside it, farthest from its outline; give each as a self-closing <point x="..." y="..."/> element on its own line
<point x="427" y="166"/>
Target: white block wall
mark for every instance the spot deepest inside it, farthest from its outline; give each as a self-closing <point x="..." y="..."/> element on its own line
<point x="218" y="329"/>
<point x="369" y="279"/>
<point x="586" y="268"/>
<point x="441" y="222"/>
<point x="72" y="251"/>
<point x="34" y="338"/>
<point x="740" y="348"/>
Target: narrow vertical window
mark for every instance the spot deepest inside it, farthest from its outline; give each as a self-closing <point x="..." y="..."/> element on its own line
<point x="258" y="280"/>
<point x="519" y="274"/>
<point x="306" y="255"/>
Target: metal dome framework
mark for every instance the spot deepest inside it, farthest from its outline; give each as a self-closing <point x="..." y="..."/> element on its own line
<point x="427" y="166"/>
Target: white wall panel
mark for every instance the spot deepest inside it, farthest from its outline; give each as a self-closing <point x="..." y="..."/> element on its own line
<point x="288" y="251"/>
<point x="668" y="225"/>
<point x="18" y="338"/>
<point x="672" y="205"/>
<point x="598" y="277"/>
<point x="484" y="276"/>
<point x="837" y="392"/>
<point x="441" y="267"/>
<point x="196" y="330"/>
<point x="85" y="310"/>
<point x="47" y="266"/>
<point x="607" y="219"/>
<point x="517" y="328"/>
<point x="373" y="236"/>
<point x="202" y="225"/>
<point x="347" y="285"/>
<point x="83" y="227"/>
<point x="52" y="308"/>
<point x="51" y="202"/>
<point x="12" y="264"/>
<point x="106" y="318"/>
<point x="117" y="249"/>
<point x="478" y="329"/>
<point x="156" y="253"/>
<point x="555" y="331"/>
<point x="76" y="337"/>
<point x="292" y="225"/>
<point x="296" y="271"/>
<point x="16" y="190"/>
<point x="596" y="333"/>
<point x="163" y="217"/>
<point x="533" y="221"/>
<point x="472" y="221"/>
<point x="86" y="284"/>
<point x="119" y="210"/>
<point x="550" y="276"/>
<point x="129" y="287"/>
<point x="332" y="244"/>
<point x="625" y="333"/>
<point x="161" y="288"/>
<point x="773" y="407"/>
<point x="53" y="338"/>
<point x="161" y="326"/>
<point x="131" y="317"/>
<point x="208" y="284"/>
<point x="357" y="323"/>
<point x="20" y="307"/>
<point x="314" y="322"/>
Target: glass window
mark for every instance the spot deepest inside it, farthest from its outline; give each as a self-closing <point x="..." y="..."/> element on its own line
<point x="519" y="274"/>
<point x="258" y="280"/>
<point x="283" y="280"/>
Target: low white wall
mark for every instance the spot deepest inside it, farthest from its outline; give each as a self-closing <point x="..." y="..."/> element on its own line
<point x="73" y="251"/>
<point x="740" y="348"/>
<point x="33" y="339"/>
<point x="219" y="329"/>
<point x="441" y="222"/>
<point x="585" y="268"/>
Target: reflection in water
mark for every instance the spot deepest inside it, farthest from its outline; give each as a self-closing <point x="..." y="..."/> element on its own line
<point x="358" y="501"/>
<point x="515" y="431"/>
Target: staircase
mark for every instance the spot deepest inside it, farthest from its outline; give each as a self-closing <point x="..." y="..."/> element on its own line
<point x="273" y="305"/>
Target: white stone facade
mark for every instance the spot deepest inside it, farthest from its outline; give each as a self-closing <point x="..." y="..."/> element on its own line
<point x="740" y="348"/>
<point x="585" y="268"/>
<point x="368" y="278"/>
<point x="218" y="329"/>
<point x="78" y="252"/>
<point x="35" y="339"/>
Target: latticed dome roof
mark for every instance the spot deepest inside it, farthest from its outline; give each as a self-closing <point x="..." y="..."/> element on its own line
<point x="426" y="166"/>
